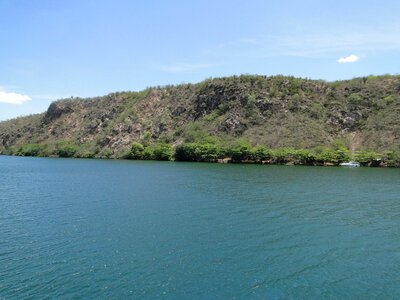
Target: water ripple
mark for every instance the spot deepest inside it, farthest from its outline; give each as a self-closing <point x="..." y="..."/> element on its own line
<point x="118" y="229"/>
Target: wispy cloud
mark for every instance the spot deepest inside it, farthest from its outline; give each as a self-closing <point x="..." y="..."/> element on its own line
<point x="13" y="98"/>
<point x="348" y="59"/>
<point x="365" y="41"/>
<point x="183" y="67"/>
<point x="312" y="43"/>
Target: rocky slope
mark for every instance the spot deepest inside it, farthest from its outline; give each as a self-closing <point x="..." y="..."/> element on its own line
<point x="273" y="111"/>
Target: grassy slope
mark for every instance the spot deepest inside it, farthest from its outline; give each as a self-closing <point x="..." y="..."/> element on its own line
<point x="271" y="111"/>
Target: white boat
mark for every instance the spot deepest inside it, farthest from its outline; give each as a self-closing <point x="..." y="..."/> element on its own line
<point x="350" y="164"/>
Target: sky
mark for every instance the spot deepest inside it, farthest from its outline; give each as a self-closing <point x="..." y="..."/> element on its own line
<point x="82" y="48"/>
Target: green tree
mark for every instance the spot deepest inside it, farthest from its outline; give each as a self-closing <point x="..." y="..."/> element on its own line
<point x="366" y="157"/>
<point x="392" y="158"/>
<point x="260" y="153"/>
<point x="67" y="151"/>
<point x="136" y="151"/>
<point x="148" y="153"/>
<point x="186" y="152"/>
<point x="32" y="150"/>
<point x="162" y="152"/>
<point x="240" y="151"/>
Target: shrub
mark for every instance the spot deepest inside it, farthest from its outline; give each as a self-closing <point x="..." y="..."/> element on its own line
<point x="391" y="158"/>
<point x="304" y="157"/>
<point x="162" y="152"/>
<point x="366" y="157"/>
<point x="32" y="150"/>
<point x="241" y="151"/>
<point x="335" y="156"/>
<point x="186" y="152"/>
<point x="282" y="155"/>
<point x="148" y="153"/>
<point x="210" y="152"/>
<point x="136" y="151"/>
<point x="66" y="150"/>
<point x="260" y="153"/>
<point x="198" y="152"/>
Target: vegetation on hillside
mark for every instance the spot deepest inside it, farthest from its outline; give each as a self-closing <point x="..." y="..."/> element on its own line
<point x="246" y="118"/>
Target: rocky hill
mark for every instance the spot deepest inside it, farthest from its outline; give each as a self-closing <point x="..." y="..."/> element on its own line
<point x="275" y="112"/>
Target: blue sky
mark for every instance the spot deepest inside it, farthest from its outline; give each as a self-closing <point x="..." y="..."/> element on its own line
<point x="57" y="49"/>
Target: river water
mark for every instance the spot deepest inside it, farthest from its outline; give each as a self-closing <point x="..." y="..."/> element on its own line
<point x="90" y="229"/>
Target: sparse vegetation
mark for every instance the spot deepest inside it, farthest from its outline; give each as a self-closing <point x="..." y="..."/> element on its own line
<point x="246" y="118"/>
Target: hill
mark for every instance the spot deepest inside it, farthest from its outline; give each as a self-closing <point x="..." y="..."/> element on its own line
<point x="274" y="112"/>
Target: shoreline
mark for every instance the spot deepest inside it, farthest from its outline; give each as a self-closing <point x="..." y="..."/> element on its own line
<point x="219" y="161"/>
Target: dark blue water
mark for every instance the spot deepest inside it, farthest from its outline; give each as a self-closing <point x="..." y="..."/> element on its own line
<point x="89" y="229"/>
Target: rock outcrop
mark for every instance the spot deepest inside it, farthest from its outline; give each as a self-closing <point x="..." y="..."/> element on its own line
<point x="274" y="111"/>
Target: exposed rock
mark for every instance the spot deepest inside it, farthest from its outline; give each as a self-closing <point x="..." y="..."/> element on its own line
<point x="56" y="110"/>
<point x="224" y="160"/>
<point x="274" y="111"/>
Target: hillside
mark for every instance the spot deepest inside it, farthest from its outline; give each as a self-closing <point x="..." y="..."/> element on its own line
<point x="275" y="112"/>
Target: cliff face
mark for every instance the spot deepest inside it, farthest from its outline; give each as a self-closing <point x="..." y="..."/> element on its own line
<point x="271" y="111"/>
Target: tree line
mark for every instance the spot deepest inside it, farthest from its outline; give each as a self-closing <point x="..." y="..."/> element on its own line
<point x="239" y="152"/>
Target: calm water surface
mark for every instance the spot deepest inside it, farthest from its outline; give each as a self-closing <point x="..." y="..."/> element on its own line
<point x="149" y="230"/>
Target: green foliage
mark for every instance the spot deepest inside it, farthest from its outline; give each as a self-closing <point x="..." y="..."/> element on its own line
<point x="148" y="153"/>
<point x="212" y="116"/>
<point x="260" y="153"/>
<point x="241" y="151"/>
<point x="280" y="156"/>
<point x="162" y="152"/>
<point x="151" y="152"/>
<point x="222" y="117"/>
<point x="334" y="156"/>
<point x="66" y="150"/>
<point x="105" y="153"/>
<point x="386" y="101"/>
<point x="198" y="152"/>
<point x="304" y="157"/>
<point x="32" y="150"/>
<point x="196" y="133"/>
<point x="244" y="152"/>
<point x="391" y="158"/>
<point x="366" y="157"/>
<point x="316" y="111"/>
<point x="355" y="99"/>
<point x="295" y="103"/>
<point x="146" y="137"/>
<point x="136" y="151"/>
<point x="186" y="152"/>
<point x="297" y="156"/>
<point x="86" y="153"/>
<point x="337" y="154"/>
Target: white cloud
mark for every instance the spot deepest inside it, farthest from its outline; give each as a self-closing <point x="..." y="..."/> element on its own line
<point x="13" y="98"/>
<point x="348" y="59"/>
<point x="178" y="68"/>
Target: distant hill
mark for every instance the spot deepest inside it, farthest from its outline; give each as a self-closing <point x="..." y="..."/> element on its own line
<point x="275" y="112"/>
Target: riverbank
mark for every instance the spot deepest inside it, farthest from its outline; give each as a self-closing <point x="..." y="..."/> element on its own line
<point x="241" y="152"/>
